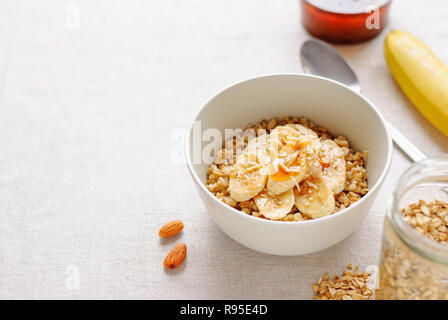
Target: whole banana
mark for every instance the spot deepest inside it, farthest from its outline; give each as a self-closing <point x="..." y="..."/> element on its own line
<point x="421" y="75"/>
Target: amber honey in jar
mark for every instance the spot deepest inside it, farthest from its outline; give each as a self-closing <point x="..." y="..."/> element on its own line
<point x="345" y="21"/>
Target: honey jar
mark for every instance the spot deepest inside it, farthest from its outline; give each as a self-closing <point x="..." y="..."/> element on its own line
<point x="345" y="21"/>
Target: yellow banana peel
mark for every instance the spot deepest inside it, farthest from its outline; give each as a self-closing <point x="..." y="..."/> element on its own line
<point x="421" y="75"/>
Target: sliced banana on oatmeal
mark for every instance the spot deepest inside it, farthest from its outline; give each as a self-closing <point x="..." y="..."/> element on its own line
<point x="332" y="159"/>
<point x="302" y="130"/>
<point x="250" y="172"/>
<point x="290" y="151"/>
<point x="314" y="198"/>
<point x="280" y="137"/>
<point x="275" y="207"/>
<point x="286" y="176"/>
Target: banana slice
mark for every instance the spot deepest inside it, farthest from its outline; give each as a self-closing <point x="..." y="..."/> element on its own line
<point x="312" y="159"/>
<point x="286" y="177"/>
<point x="302" y="130"/>
<point x="275" y="207"/>
<point x="314" y="198"/>
<point x="290" y="155"/>
<point x="282" y="136"/>
<point x="332" y="159"/>
<point x="250" y="172"/>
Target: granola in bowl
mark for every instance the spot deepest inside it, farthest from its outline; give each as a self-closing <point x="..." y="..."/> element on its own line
<point x="288" y="170"/>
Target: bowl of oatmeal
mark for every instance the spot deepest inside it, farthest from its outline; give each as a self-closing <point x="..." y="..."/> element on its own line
<point x="288" y="164"/>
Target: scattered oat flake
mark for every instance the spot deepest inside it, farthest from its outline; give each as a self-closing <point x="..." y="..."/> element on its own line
<point x="351" y="285"/>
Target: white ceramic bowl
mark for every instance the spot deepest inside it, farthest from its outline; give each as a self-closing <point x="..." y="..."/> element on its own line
<point x="327" y="103"/>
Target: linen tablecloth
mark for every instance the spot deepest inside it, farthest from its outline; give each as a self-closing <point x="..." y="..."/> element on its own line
<point x="93" y="95"/>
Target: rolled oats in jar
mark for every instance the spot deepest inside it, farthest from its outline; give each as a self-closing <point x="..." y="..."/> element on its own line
<point x="414" y="257"/>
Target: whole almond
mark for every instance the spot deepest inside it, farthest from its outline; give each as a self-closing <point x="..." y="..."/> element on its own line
<point x="176" y="256"/>
<point x="171" y="229"/>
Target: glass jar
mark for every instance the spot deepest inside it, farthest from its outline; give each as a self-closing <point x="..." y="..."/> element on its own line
<point x="345" y="21"/>
<point x="413" y="266"/>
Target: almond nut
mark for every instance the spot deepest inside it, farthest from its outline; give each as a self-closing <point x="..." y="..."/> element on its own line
<point x="176" y="256"/>
<point x="171" y="229"/>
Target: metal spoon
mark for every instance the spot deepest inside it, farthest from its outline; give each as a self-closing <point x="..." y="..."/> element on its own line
<point x="320" y="59"/>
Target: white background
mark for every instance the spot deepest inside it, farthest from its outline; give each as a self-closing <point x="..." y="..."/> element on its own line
<point x="88" y="107"/>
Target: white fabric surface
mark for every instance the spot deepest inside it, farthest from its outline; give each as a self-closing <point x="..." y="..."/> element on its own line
<point x="88" y="110"/>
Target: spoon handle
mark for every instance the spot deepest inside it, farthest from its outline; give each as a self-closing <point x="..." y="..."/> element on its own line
<point x="409" y="149"/>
